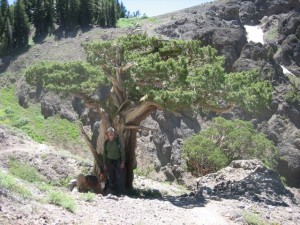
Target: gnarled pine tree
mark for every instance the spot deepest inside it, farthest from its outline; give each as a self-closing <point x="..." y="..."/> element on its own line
<point x="144" y="74"/>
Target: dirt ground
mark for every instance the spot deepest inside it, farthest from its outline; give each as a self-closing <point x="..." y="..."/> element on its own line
<point x="170" y="203"/>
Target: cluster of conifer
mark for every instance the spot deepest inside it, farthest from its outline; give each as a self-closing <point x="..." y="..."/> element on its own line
<point x="16" y="19"/>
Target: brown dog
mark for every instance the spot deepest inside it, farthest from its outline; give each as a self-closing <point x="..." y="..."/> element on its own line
<point x="91" y="183"/>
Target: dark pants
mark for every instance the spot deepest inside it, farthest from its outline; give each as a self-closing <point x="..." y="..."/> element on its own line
<point x="116" y="176"/>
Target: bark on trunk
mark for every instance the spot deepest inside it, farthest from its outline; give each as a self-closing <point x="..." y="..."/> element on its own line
<point x="130" y="160"/>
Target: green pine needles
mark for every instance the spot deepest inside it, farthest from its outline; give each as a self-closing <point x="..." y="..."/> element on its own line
<point x="174" y="74"/>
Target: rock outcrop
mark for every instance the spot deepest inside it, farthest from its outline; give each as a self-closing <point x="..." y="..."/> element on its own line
<point x="51" y="104"/>
<point x="248" y="179"/>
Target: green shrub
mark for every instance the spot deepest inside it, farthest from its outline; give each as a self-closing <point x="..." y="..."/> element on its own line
<point x="293" y="95"/>
<point x="62" y="199"/>
<point x="143" y="172"/>
<point x="272" y="34"/>
<point x="43" y="186"/>
<point x="63" y="182"/>
<point x="224" y="141"/>
<point x="24" y="171"/>
<point x="253" y="219"/>
<point x="21" y="122"/>
<point x="10" y="183"/>
<point x="283" y="180"/>
<point x="89" y="197"/>
<point x="8" y="110"/>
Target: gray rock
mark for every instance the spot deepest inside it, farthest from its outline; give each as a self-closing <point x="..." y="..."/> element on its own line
<point x="248" y="179"/>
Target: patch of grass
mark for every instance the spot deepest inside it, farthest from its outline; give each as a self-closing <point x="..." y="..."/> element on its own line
<point x="293" y="95"/>
<point x="63" y="182"/>
<point x="89" y="197"/>
<point x="52" y="130"/>
<point x="143" y="172"/>
<point x="135" y="21"/>
<point x="253" y="219"/>
<point x="10" y="183"/>
<point x="24" y="171"/>
<point x="283" y="180"/>
<point x="43" y="186"/>
<point x="272" y="34"/>
<point x="62" y="199"/>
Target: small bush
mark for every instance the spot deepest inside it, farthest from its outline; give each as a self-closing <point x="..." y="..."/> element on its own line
<point x="225" y="141"/>
<point x="143" y="172"/>
<point x="272" y="34"/>
<point x="62" y="199"/>
<point x="89" y="197"/>
<point x="8" y="110"/>
<point x="43" y="186"/>
<point x="253" y="219"/>
<point x="293" y="95"/>
<point x="283" y="180"/>
<point x="8" y="182"/>
<point x="21" y="122"/>
<point x="24" y="171"/>
<point x="63" y="182"/>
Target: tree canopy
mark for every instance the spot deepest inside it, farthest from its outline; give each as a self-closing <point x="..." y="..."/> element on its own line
<point x="173" y="74"/>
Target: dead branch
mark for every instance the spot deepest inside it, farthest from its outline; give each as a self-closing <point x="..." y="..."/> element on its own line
<point x="90" y="145"/>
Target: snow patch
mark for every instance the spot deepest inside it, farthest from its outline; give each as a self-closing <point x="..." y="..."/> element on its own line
<point x="286" y="71"/>
<point x="255" y="34"/>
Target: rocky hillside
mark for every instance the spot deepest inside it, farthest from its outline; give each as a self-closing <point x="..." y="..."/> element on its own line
<point x="220" y="24"/>
<point x="254" y="193"/>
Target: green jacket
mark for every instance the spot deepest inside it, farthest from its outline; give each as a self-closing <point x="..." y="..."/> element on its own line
<point x="113" y="150"/>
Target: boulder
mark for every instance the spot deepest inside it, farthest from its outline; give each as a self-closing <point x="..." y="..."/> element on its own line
<point x="248" y="179"/>
<point x="173" y="129"/>
<point x="248" y="13"/>
<point x="285" y="134"/>
<point x="289" y="24"/>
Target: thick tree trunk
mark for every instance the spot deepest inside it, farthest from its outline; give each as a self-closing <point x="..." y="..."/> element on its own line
<point x="130" y="160"/>
<point x="127" y="138"/>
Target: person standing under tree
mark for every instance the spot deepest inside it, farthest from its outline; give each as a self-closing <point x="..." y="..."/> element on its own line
<point x="113" y="160"/>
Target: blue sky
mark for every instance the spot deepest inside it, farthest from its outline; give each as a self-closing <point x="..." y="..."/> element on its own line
<point x="156" y="7"/>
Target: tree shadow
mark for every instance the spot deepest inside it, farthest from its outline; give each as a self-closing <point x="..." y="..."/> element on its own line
<point x="5" y="61"/>
<point x="61" y="32"/>
<point x="182" y="201"/>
